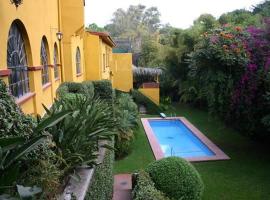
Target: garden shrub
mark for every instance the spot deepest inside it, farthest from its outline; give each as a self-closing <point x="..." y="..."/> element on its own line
<point x="36" y="163"/>
<point x="101" y="187"/>
<point x="145" y="188"/>
<point x="69" y="88"/>
<point x="126" y="114"/>
<point x="177" y="178"/>
<point x="90" y="90"/>
<point x="103" y="90"/>
<point x="12" y="120"/>
<point x="141" y="99"/>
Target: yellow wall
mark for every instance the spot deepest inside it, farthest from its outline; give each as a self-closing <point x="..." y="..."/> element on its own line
<point x="122" y="78"/>
<point x="72" y="20"/>
<point x="44" y="18"/>
<point x="33" y="16"/>
<point x="151" y="93"/>
<point x="92" y="55"/>
<point x="98" y="57"/>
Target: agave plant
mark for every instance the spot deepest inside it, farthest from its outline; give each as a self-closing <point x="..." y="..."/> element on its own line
<point x="77" y="136"/>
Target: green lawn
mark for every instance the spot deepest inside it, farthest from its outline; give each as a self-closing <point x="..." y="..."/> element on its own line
<point x="246" y="176"/>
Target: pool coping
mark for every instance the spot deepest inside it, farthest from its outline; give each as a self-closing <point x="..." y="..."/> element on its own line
<point x="157" y="151"/>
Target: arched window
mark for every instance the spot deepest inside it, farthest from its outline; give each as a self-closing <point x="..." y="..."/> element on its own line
<point x="44" y="61"/>
<point x="17" y="62"/>
<point x="55" y="61"/>
<point x="78" y="61"/>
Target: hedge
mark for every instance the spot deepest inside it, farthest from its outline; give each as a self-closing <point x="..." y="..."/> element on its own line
<point x="71" y="88"/>
<point x="101" y="187"/>
<point x="177" y="178"/>
<point x="103" y="90"/>
<point x="145" y="189"/>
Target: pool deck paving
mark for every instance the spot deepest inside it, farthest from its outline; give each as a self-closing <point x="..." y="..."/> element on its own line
<point x="122" y="187"/>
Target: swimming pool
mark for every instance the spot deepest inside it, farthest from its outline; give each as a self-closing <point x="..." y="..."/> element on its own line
<point x="178" y="137"/>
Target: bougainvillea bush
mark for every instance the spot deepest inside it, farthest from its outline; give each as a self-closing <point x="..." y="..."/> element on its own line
<point x="216" y="66"/>
<point x="250" y="102"/>
<point x="229" y="72"/>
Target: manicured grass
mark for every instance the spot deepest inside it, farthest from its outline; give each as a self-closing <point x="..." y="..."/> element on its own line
<point x="246" y="176"/>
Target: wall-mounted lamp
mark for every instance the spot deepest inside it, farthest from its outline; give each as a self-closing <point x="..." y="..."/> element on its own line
<point x="16" y="2"/>
<point x="59" y="36"/>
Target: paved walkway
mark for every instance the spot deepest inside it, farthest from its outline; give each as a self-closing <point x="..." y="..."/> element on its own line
<point x="122" y="187"/>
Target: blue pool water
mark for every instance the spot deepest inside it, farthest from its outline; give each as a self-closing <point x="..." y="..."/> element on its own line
<point x="176" y="139"/>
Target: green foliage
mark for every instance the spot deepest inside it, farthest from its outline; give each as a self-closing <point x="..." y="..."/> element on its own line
<point x="148" y="54"/>
<point x="103" y="90"/>
<point x="216" y="66"/>
<point x="145" y="187"/>
<point x="13" y="149"/>
<point x="240" y="17"/>
<point x="90" y="90"/>
<point x="134" y="23"/>
<point x="95" y="27"/>
<point x="126" y="112"/>
<point x="77" y="136"/>
<point x="101" y="187"/>
<point x="69" y="89"/>
<point x="206" y="22"/>
<point x="141" y="99"/>
<point x="177" y="178"/>
<point x="262" y="9"/>
<point x="12" y="121"/>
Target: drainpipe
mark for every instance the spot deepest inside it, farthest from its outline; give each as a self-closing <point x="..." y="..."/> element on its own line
<point x="60" y="41"/>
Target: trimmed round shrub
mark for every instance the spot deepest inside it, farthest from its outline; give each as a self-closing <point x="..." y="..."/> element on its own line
<point x="145" y="189"/>
<point x="177" y="178"/>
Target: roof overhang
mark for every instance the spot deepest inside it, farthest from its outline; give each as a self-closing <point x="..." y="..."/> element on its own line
<point x="105" y="37"/>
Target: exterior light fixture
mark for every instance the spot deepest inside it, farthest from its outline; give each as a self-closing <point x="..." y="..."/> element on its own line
<point x="59" y="36"/>
<point x="16" y="2"/>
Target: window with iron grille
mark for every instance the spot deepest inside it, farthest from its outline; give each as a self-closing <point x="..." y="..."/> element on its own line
<point x="17" y="62"/>
<point x="44" y="62"/>
<point x="78" y="61"/>
<point x="55" y="60"/>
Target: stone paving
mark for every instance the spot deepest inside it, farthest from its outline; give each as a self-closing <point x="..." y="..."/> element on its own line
<point x="122" y="187"/>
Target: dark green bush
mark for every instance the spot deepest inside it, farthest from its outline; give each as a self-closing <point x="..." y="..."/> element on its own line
<point x="177" y="178"/>
<point x="68" y="88"/>
<point x="103" y="90"/>
<point x="12" y="120"/>
<point x="90" y="90"/>
<point x="126" y="114"/>
<point x="145" y="189"/>
<point x="141" y="99"/>
<point x="101" y="187"/>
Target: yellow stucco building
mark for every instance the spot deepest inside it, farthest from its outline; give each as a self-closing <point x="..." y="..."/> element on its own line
<point x="44" y="42"/>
